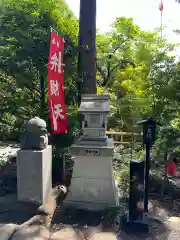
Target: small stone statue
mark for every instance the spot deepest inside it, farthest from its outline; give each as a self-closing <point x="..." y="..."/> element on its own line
<point x="35" y="135"/>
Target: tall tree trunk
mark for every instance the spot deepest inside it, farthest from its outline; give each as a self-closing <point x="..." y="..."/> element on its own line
<point x="87" y="48"/>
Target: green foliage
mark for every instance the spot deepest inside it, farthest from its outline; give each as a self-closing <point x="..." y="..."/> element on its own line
<point x="167" y="140"/>
<point x="25" y="32"/>
<point x="140" y="74"/>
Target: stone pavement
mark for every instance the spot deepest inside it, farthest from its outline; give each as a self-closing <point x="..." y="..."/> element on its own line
<point x="6" y="231"/>
<point x="67" y="224"/>
<point x="80" y="225"/>
<point x="40" y="232"/>
<point x="35" y="232"/>
<point x="16" y="222"/>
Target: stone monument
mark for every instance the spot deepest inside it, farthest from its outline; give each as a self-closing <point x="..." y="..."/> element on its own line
<point x="35" y="135"/>
<point x="34" y="163"/>
<point x="92" y="185"/>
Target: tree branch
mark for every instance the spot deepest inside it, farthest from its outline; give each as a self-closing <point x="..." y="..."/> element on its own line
<point x="125" y="40"/>
<point x="103" y="75"/>
<point x="10" y="110"/>
<point x="117" y="47"/>
<point x="123" y="62"/>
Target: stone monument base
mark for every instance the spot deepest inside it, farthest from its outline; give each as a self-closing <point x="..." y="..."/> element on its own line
<point x="34" y="175"/>
<point x="92" y="185"/>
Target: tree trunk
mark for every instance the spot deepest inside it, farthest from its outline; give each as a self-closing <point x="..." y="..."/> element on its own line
<point x="87" y="48"/>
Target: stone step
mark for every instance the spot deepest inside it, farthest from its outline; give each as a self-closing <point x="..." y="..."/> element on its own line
<point x="6" y="231"/>
<point x="75" y="233"/>
<point x="104" y="236"/>
<point x="67" y="233"/>
<point x="32" y="232"/>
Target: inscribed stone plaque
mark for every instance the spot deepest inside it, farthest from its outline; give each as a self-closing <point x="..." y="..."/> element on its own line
<point x="95" y="120"/>
<point x="92" y="152"/>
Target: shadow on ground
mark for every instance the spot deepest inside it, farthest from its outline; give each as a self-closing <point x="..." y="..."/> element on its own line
<point x="8" y="179"/>
<point x="12" y="211"/>
<point x="169" y="200"/>
<point x="15" y="212"/>
<point x="83" y="222"/>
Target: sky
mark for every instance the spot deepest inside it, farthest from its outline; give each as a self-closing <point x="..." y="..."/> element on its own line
<point x="144" y="12"/>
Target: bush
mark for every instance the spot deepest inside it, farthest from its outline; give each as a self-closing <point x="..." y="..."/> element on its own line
<point x="167" y="140"/>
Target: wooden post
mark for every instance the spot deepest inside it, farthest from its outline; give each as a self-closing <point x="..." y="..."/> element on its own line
<point x="122" y="138"/>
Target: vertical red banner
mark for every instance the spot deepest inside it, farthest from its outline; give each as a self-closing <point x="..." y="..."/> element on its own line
<point x="57" y="108"/>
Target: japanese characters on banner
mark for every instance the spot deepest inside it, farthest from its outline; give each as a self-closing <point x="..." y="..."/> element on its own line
<point x="57" y="108"/>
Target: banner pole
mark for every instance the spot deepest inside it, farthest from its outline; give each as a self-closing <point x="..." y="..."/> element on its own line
<point x="161" y="24"/>
<point x="53" y="30"/>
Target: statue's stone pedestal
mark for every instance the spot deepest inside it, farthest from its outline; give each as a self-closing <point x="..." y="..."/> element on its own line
<point x="34" y="175"/>
<point x="92" y="185"/>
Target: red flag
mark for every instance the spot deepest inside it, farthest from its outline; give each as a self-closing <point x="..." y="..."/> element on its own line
<point x="57" y="108"/>
<point x="161" y="6"/>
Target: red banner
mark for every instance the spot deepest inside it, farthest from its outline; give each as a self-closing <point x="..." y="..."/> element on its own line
<point x="57" y="108"/>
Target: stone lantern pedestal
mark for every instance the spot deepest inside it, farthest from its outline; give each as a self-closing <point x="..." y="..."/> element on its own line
<point x="92" y="185"/>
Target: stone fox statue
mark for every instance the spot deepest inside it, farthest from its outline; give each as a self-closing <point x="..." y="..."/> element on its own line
<point x="35" y="135"/>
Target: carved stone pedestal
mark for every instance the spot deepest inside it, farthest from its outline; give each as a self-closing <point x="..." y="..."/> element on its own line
<point x="34" y="175"/>
<point x="92" y="185"/>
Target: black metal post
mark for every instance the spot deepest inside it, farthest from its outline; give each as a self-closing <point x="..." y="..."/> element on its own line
<point x="146" y="182"/>
<point x="139" y="190"/>
<point x="149" y="132"/>
<point x="135" y="222"/>
<point x="136" y="191"/>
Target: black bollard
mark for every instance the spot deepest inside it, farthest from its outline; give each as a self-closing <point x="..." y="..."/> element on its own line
<point x="134" y="221"/>
<point x="139" y="181"/>
<point x="136" y="191"/>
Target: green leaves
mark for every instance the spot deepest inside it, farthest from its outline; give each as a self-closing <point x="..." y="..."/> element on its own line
<point x="24" y="48"/>
<point x="141" y="66"/>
